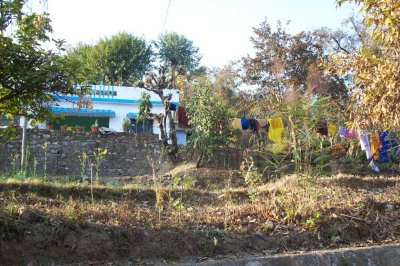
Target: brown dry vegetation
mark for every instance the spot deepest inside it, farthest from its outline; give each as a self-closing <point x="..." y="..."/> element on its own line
<point x="51" y="221"/>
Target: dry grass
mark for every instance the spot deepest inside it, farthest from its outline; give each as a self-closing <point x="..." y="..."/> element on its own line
<point x="291" y="214"/>
<point x="289" y="201"/>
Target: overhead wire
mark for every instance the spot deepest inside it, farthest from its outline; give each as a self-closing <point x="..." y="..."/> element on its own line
<point x="166" y="16"/>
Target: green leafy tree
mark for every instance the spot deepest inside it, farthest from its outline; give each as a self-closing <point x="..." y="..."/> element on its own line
<point x="121" y="59"/>
<point x="31" y="76"/>
<point x="211" y="120"/>
<point x="178" y="52"/>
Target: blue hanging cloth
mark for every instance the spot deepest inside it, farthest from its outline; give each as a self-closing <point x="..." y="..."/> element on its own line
<point x="383" y="152"/>
<point x="245" y="123"/>
<point x="172" y="107"/>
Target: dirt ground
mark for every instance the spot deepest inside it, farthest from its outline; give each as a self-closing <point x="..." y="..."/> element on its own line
<point x="214" y="217"/>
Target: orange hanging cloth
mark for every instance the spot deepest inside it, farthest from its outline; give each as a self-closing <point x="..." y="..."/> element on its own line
<point x="375" y="144"/>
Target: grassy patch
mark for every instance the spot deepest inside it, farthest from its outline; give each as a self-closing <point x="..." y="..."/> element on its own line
<point x="329" y="212"/>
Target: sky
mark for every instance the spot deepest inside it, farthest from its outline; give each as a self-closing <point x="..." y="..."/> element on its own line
<point x="221" y="29"/>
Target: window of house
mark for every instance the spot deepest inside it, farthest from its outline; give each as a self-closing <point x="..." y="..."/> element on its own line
<point x="140" y="127"/>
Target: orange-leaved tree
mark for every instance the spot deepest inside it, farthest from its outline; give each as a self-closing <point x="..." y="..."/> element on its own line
<point x="375" y="70"/>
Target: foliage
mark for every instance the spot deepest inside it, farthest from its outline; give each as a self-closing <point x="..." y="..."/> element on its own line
<point x="178" y="59"/>
<point x="144" y="108"/>
<point x="45" y="148"/>
<point x="253" y="179"/>
<point x="126" y="124"/>
<point x="225" y="82"/>
<point x="84" y="160"/>
<point x="303" y="117"/>
<point x="96" y="123"/>
<point x="375" y="70"/>
<point x="99" y="155"/>
<point x="284" y="65"/>
<point x="178" y="52"/>
<point x="211" y="120"/>
<point x="121" y="59"/>
<point x="31" y="76"/>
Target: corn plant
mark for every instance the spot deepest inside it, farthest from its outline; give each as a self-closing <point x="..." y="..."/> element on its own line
<point x="303" y="116"/>
<point x="99" y="155"/>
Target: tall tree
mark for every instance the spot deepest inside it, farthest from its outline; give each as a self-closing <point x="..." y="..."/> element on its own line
<point x="285" y="65"/>
<point x="31" y="76"/>
<point x="121" y="59"/>
<point x="178" y="59"/>
<point x="375" y="69"/>
<point x="177" y="52"/>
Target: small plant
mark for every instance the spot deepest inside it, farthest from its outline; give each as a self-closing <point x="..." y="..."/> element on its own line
<point x="35" y="163"/>
<point x="14" y="164"/>
<point x="45" y="149"/>
<point x="228" y="199"/>
<point x="95" y="124"/>
<point x="252" y="178"/>
<point x="9" y="222"/>
<point x="161" y="194"/>
<point x="83" y="160"/>
<point x="126" y="124"/>
<point x="28" y="155"/>
<point x="99" y="155"/>
<point x="181" y="183"/>
<point x="91" y="183"/>
<point x="276" y="164"/>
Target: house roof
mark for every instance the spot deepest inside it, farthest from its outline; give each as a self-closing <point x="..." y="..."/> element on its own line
<point x="83" y="112"/>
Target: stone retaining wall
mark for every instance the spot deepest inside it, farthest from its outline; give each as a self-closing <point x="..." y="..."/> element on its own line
<point x="126" y="152"/>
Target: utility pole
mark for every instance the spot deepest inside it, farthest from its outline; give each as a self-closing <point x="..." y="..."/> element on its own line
<point x="23" y="145"/>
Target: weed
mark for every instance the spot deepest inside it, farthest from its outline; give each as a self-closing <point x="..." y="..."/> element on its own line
<point x="45" y="149"/>
<point x="99" y="155"/>
<point x="114" y="183"/>
<point x="91" y="182"/>
<point x="9" y="222"/>
<point x="276" y="164"/>
<point x="84" y="161"/>
<point x="14" y="164"/>
<point x="20" y="175"/>
<point x="35" y="163"/>
<point x="181" y="183"/>
<point x="252" y="178"/>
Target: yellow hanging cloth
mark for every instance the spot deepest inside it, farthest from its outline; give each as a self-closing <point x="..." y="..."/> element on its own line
<point x="332" y="129"/>
<point x="275" y="129"/>
<point x="236" y="124"/>
<point x="375" y="142"/>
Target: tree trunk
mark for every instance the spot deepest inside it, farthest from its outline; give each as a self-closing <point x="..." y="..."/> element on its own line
<point x="200" y="160"/>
